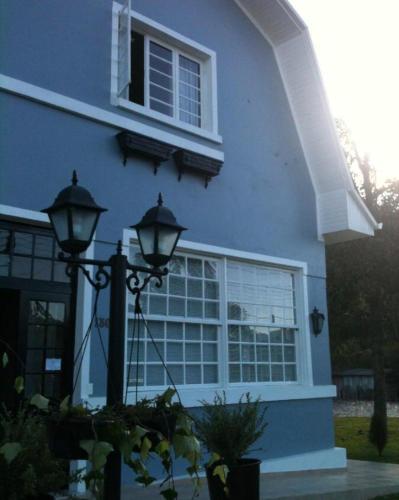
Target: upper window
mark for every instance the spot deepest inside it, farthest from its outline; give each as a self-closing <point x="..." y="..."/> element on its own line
<point x="164" y="75"/>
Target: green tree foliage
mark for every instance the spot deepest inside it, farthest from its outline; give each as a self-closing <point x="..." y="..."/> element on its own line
<point x="363" y="287"/>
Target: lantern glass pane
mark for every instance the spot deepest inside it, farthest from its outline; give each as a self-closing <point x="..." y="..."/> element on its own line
<point x="167" y="240"/>
<point x="59" y="221"/>
<point x="147" y="237"/>
<point x="83" y="222"/>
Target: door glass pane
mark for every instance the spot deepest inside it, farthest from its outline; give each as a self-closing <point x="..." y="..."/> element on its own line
<point x="56" y="312"/>
<point x="35" y="336"/>
<point x="34" y="360"/>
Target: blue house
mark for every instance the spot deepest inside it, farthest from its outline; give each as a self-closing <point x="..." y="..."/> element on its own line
<point x="224" y="103"/>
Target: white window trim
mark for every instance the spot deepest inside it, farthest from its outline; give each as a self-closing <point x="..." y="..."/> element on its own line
<point x="174" y="40"/>
<point x="270" y="391"/>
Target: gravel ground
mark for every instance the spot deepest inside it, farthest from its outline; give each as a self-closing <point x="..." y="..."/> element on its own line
<point x="361" y="409"/>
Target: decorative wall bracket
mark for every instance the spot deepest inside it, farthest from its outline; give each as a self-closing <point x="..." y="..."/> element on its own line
<point x="133" y="144"/>
<point x="187" y="161"/>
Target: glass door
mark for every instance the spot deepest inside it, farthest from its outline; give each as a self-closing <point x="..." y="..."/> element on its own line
<point x="46" y="343"/>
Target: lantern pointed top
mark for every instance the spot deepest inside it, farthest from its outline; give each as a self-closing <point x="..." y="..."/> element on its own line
<point x="74" y="178"/>
<point x="160" y="200"/>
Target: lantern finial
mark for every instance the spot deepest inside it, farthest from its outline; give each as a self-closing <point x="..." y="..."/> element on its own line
<point x="74" y="178"/>
<point x="160" y="200"/>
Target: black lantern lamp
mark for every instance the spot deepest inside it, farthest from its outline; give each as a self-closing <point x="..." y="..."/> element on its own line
<point x="158" y="233"/>
<point x="317" y="321"/>
<point x="74" y="216"/>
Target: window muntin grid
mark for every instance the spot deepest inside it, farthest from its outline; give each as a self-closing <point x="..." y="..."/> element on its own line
<point x="190" y="352"/>
<point x="184" y="322"/>
<point x="174" y="83"/>
<point x="261" y="313"/>
<point x="29" y="254"/>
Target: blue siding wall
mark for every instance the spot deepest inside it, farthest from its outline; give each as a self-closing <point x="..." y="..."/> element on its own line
<point x="262" y="202"/>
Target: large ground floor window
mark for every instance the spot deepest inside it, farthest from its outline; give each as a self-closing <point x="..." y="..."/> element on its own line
<point x="215" y="321"/>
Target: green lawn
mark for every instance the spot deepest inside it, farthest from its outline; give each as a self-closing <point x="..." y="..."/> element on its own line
<point x="352" y="433"/>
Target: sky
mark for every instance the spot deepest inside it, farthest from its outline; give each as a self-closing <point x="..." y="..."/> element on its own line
<point x="357" y="47"/>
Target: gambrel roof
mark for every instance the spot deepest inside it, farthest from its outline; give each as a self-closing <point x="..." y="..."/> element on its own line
<point x="342" y="215"/>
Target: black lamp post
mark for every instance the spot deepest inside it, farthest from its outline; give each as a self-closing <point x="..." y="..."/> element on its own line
<point x="74" y="216"/>
<point x="317" y="321"/>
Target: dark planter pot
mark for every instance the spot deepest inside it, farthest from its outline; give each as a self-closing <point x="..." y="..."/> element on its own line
<point x="165" y="424"/>
<point x="242" y="481"/>
<point x="64" y="437"/>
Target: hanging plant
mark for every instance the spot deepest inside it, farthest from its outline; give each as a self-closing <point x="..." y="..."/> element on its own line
<point x="155" y="427"/>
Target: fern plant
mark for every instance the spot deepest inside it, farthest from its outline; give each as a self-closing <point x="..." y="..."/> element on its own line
<point x="230" y="430"/>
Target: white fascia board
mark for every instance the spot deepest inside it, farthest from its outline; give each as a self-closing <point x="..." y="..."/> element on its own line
<point x="285" y="31"/>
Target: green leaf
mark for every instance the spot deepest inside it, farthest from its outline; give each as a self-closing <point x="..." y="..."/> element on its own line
<point x="215" y="457"/>
<point x="167" y="396"/>
<point x="169" y="494"/>
<point x="64" y="405"/>
<point x="40" y="402"/>
<point x="4" y="359"/>
<point x="162" y="447"/>
<point x="19" y="384"/>
<point x="145" y="448"/>
<point x="97" y="451"/>
<point x="10" y="451"/>
<point x="187" y="447"/>
<point x="221" y="471"/>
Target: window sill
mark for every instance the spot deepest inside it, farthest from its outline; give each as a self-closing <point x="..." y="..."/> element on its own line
<point x="267" y="392"/>
<point x="173" y="122"/>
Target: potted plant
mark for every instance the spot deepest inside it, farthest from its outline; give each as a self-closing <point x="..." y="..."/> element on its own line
<point x="228" y="431"/>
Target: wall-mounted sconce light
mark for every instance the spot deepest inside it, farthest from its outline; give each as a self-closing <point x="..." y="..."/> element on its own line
<point x="317" y="321"/>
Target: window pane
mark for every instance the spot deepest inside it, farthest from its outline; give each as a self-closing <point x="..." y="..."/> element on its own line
<point x="35" y="335"/>
<point x="160" y="51"/>
<point x="195" y="267"/>
<point x="234" y="352"/>
<point x="277" y="373"/>
<point x="132" y="351"/>
<point x="161" y="108"/>
<point x="194" y="288"/>
<point x="44" y="246"/>
<point x="42" y="269"/>
<point x="177" y="286"/>
<point x="263" y="372"/>
<point x="234" y="373"/>
<point x="34" y="360"/>
<point x="155" y="351"/>
<point x="193" y="331"/>
<point x="210" y="352"/>
<point x="174" y="351"/>
<point x="176" y="372"/>
<point x="5" y="240"/>
<point x="210" y="269"/>
<point x="248" y="373"/>
<point x="155" y="375"/>
<point x="177" y="307"/>
<point x="290" y="373"/>
<point x="193" y="374"/>
<point x="23" y="243"/>
<point x="156" y="329"/>
<point x="21" y="267"/>
<point x="174" y="330"/>
<point x="193" y="352"/>
<point x="59" y="272"/>
<point x="177" y="265"/>
<point x="157" y="305"/>
<point x="210" y="332"/>
<point x="161" y="79"/>
<point x="161" y="94"/>
<point x="210" y="374"/>
<point x="194" y="308"/>
<point x="4" y="265"/>
<point x="211" y="290"/>
<point x="211" y="310"/>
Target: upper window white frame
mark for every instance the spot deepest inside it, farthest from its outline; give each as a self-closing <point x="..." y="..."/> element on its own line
<point x="303" y="388"/>
<point x="179" y="43"/>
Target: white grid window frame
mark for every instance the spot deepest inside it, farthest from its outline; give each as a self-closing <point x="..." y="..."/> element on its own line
<point x="303" y="387"/>
<point x="207" y="127"/>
